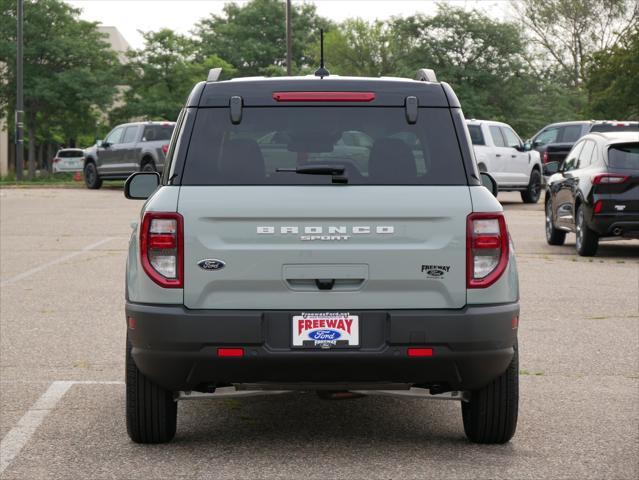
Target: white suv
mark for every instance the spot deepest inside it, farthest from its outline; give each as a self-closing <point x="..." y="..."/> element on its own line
<point x="500" y="152"/>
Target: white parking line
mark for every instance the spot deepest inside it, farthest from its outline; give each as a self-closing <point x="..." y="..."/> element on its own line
<point x="15" y="440"/>
<point x="55" y="261"/>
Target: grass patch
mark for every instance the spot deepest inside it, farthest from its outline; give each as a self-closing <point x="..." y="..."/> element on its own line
<point x="41" y="178"/>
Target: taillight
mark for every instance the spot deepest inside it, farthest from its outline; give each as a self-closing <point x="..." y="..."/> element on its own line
<point x="56" y="160"/>
<point x="546" y="158"/>
<point x="162" y="249"/>
<point x="486" y="249"/>
<point x="598" y="206"/>
<point x="608" y="178"/>
<point x="165" y="148"/>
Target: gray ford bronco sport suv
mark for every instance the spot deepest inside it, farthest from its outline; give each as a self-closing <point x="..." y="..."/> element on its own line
<point x="328" y="234"/>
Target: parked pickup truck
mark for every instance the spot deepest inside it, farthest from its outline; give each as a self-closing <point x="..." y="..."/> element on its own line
<point x="128" y="148"/>
<point x="500" y="152"/>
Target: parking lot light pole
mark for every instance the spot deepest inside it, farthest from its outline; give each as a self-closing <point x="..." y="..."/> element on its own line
<point x="19" y="125"/>
<point x="289" y="43"/>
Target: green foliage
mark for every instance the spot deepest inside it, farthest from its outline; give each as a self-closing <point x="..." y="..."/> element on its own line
<point x="252" y="36"/>
<point x="570" y="30"/>
<point x="69" y="70"/>
<point x="161" y="75"/>
<point x="613" y="84"/>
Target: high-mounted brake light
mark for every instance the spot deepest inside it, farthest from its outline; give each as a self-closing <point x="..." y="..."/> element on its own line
<point x="486" y="249"/>
<point x="162" y="248"/>
<point x="230" y="352"/>
<point x="608" y="178"/>
<point x="323" y="96"/>
<point x="419" y="352"/>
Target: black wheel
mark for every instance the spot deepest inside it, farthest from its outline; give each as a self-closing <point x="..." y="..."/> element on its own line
<point x="587" y="241"/>
<point x="533" y="191"/>
<point x="91" y="177"/>
<point x="151" y="411"/>
<point x="148" y="166"/>
<point x="554" y="236"/>
<point x="491" y="414"/>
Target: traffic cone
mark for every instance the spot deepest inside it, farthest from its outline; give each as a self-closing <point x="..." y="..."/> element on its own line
<point x="77" y="177"/>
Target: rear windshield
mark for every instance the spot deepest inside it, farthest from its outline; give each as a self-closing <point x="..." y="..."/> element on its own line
<point x="624" y="156"/>
<point x="476" y="135"/>
<point x="70" y="153"/>
<point x="615" y="127"/>
<point x="157" y="132"/>
<point x="374" y="145"/>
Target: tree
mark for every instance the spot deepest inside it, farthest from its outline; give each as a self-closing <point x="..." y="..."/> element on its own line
<point x="571" y="30"/>
<point x="252" y="36"/>
<point x="160" y="76"/>
<point x="69" y="70"/>
<point x="613" y="81"/>
<point x="356" y="47"/>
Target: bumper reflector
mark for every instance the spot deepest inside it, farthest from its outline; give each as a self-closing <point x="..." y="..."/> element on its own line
<point x="230" y="352"/>
<point x="420" y="352"/>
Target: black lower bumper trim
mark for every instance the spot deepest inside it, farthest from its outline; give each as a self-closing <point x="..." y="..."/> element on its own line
<point x="177" y="347"/>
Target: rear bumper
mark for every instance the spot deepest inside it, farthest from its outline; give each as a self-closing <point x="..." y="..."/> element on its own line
<point x="177" y="347"/>
<point x="626" y="225"/>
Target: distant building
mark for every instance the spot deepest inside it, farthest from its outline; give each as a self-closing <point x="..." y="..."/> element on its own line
<point x="117" y="41"/>
<point x="120" y="46"/>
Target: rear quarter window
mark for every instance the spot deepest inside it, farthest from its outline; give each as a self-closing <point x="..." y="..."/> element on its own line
<point x="476" y="135"/>
<point x="375" y="145"/>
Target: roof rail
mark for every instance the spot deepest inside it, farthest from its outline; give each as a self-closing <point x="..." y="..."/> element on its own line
<point x="214" y="75"/>
<point x="426" y="75"/>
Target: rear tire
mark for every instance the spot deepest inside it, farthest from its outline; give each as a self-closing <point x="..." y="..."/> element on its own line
<point x="533" y="191"/>
<point x="151" y="411"/>
<point x="91" y="176"/>
<point x="491" y="414"/>
<point x="148" y="166"/>
<point x="554" y="236"/>
<point x="586" y="241"/>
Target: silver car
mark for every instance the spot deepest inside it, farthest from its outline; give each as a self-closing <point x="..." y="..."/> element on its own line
<point x="68" y="160"/>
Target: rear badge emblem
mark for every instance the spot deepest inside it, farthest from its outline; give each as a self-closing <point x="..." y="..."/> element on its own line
<point x="211" y="264"/>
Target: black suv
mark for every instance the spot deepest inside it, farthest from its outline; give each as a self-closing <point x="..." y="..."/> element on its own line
<point x="554" y="141"/>
<point x="595" y="191"/>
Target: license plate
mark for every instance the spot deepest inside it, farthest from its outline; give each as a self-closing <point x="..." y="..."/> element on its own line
<point x="325" y="330"/>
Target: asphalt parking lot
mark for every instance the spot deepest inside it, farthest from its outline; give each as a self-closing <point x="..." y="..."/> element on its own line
<point x="62" y="369"/>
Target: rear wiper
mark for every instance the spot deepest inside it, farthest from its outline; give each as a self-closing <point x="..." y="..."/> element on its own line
<point x="336" y="171"/>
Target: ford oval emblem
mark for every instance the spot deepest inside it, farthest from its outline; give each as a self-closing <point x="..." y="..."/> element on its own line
<point x="435" y="272"/>
<point x="211" y="264"/>
<point x="324" y="335"/>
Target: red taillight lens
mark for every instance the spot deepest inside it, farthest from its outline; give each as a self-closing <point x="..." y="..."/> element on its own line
<point x="161" y="248"/>
<point x="230" y="352"/>
<point x="598" y="206"/>
<point x="546" y="158"/>
<point x="56" y="160"/>
<point x="323" y="96"/>
<point x="165" y="148"/>
<point x="419" y="352"/>
<point x="486" y="249"/>
<point x="608" y="179"/>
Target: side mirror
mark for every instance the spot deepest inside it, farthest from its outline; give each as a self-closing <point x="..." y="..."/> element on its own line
<point x="527" y="147"/>
<point x="104" y="144"/>
<point x="98" y="143"/>
<point x="140" y="185"/>
<point x="489" y="182"/>
<point x="551" y="168"/>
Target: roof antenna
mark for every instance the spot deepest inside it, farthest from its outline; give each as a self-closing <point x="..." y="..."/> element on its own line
<point x="322" y="72"/>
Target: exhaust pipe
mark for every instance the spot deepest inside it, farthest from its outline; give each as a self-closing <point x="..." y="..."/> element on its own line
<point x="617" y="231"/>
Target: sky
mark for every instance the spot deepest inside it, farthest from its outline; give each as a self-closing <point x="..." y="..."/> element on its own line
<point x="130" y="16"/>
